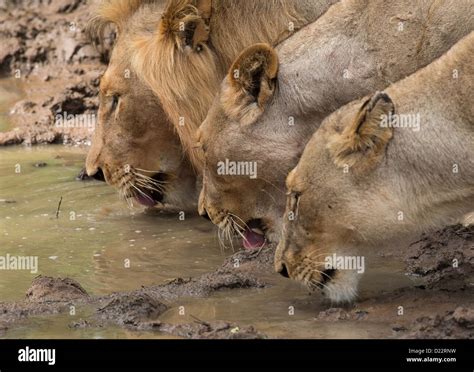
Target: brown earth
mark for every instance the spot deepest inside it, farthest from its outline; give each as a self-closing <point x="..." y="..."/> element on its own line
<point x="45" y="50"/>
<point x="139" y="309"/>
<point x="445" y="259"/>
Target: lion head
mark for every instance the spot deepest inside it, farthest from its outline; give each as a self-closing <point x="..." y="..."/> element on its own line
<point x="134" y="145"/>
<point x="380" y="171"/>
<point x="237" y="185"/>
<point x="324" y="215"/>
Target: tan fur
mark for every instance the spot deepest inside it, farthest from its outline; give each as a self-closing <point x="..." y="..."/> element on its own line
<point x="413" y="187"/>
<point x="186" y="77"/>
<point x="236" y="99"/>
<point x="357" y="47"/>
<point x="130" y="139"/>
<point x="364" y="138"/>
<point x="116" y="12"/>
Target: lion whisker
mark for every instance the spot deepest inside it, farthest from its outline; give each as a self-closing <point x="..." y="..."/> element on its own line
<point x="147" y="171"/>
<point x="317" y="285"/>
<point x="149" y="178"/>
<point x="240" y="219"/>
<point x="272" y="184"/>
<point x="140" y="191"/>
<point x="266" y="192"/>
<point x="149" y="187"/>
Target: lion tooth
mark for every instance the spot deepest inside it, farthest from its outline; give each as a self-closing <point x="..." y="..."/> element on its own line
<point x="257" y="231"/>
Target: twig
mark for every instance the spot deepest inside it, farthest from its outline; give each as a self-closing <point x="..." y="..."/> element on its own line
<point x="59" y="207"/>
<point x="199" y="321"/>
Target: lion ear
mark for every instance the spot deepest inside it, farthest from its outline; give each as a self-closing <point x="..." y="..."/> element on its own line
<point x="251" y="82"/>
<point x="188" y="22"/>
<point x="363" y="142"/>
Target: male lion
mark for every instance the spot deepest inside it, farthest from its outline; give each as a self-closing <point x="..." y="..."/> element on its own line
<point x="365" y="179"/>
<point x="267" y="110"/>
<point x="134" y="144"/>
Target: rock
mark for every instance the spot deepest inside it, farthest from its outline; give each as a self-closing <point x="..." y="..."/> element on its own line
<point x="86" y="53"/>
<point x="12" y="137"/>
<point x="44" y="288"/>
<point x="66" y="6"/>
<point x="80" y="324"/>
<point x="68" y="46"/>
<point x="23" y="107"/>
<point x="217" y="329"/>
<point x="333" y="314"/>
<point x="132" y="308"/>
<point x="49" y="51"/>
<point x="10" y="50"/>
<point x="452" y="325"/>
<point x="464" y="317"/>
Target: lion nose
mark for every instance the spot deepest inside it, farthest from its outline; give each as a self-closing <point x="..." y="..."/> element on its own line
<point x="283" y="271"/>
<point x="98" y="175"/>
<point x="204" y="214"/>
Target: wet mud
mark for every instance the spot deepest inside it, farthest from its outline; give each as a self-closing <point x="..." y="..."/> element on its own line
<point x="443" y="308"/>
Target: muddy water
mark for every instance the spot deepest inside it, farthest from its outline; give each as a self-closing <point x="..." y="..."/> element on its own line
<point x="97" y="239"/>
<point x="96" y="235"/>
<point x="286" y="310"/>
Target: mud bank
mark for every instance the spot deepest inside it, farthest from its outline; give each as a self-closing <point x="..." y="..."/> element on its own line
<point x="140" y="309"/>
<point x="423" y="311"/>
<point x="48" y="56"/>
<point x="444" y="259"/>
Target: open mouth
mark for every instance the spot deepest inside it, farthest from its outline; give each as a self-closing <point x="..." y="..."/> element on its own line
<point x="326" y="277"/>
<point x="254" y="235"/>
<point x="149" y="196"/>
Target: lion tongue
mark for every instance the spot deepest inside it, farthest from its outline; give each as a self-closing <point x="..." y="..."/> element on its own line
<point x="253" y="240"/>
<point x="145" y="200"/>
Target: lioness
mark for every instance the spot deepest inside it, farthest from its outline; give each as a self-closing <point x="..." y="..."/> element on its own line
<point x="268" y="109"/>
<point x="364" y="179"/>
<point x="134" y="143"/>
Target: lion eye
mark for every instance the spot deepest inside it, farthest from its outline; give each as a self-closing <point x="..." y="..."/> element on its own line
<point x="115" y="100"/>
<point x="293" y="200"/>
